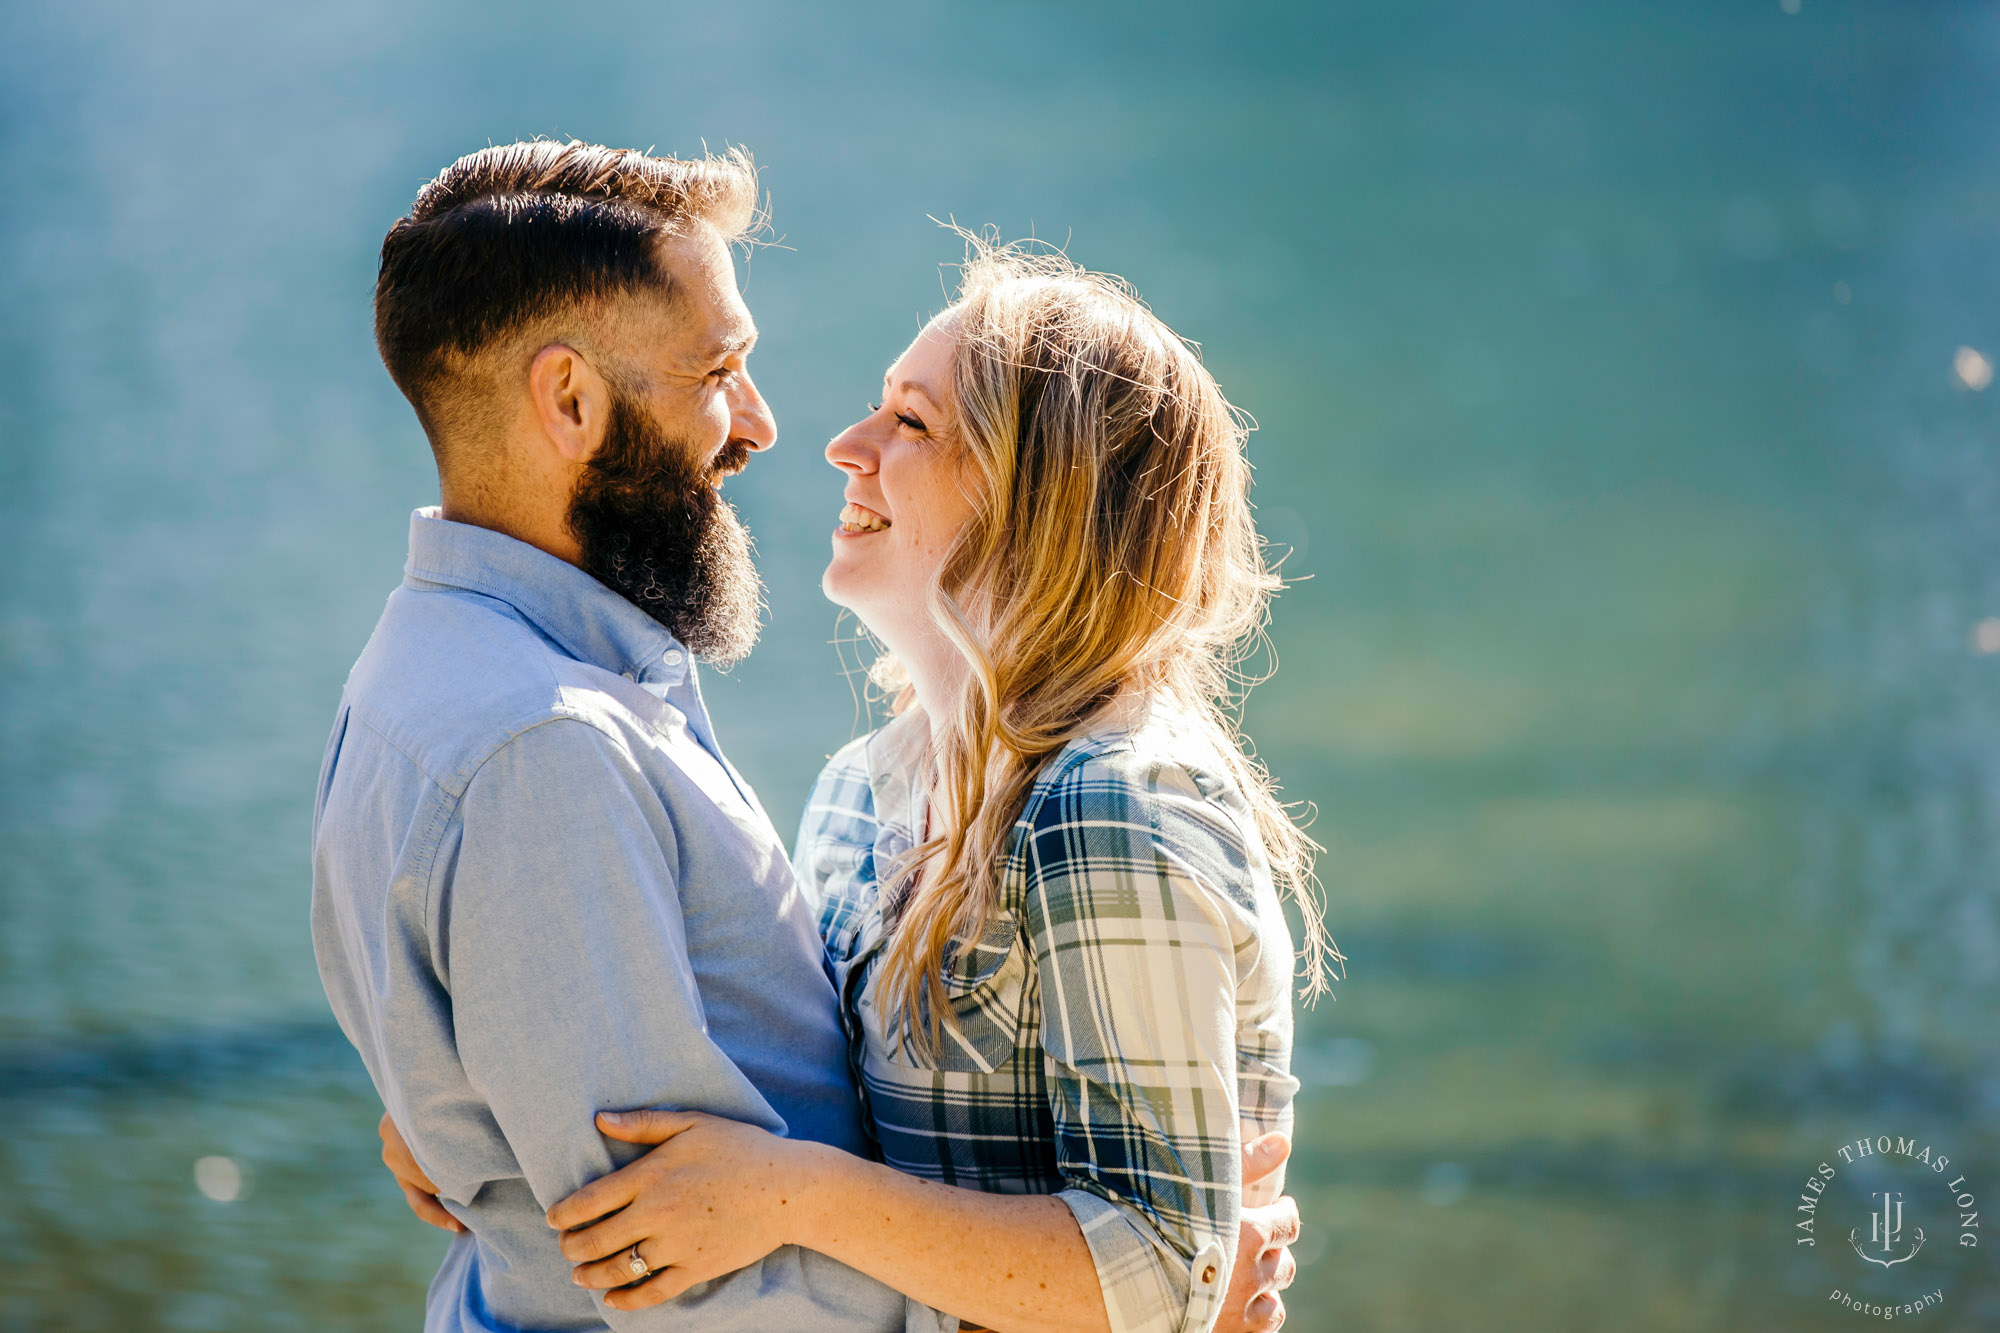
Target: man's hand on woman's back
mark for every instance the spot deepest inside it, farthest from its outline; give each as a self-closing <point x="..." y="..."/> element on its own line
<point x="1264" y="1265"/>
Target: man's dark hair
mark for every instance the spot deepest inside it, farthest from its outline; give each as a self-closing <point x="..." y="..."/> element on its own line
<point x="526" y="231"/>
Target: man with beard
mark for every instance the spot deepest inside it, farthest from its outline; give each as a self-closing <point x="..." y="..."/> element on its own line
<point x="539" y="890"/>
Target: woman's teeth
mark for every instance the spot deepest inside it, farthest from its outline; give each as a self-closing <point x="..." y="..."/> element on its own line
<point x="853" y="518"/>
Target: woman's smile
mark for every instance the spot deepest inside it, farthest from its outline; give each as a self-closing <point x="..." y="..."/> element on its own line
<point x="858" y="520"/>
<point x="907" y="493"/>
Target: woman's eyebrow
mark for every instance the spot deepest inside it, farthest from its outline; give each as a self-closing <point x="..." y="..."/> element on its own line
<point x="913" y="386"/>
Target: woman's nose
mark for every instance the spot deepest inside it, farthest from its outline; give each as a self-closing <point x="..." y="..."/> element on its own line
<point x="852" y="451"/>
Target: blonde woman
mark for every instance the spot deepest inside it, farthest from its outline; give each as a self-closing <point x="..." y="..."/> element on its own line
<point x="1050" y="886"/>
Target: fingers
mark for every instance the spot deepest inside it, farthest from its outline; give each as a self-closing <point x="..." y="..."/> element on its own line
<point x="428" y="1209"/>
<point x="1281" y="1221"/>
<point x="1276" y="1270"/>
<point x="614" y="1191"/>
<point x="617" y="1233"/>
<point x="646" y="1126"/>
<point x="616" y="1270"/>
<point x="603" y="1195"/>
<point x="662" y="1286"/>
<point x="1267" y="1228"/>
<point x="403" y="1165"/>
<point x="419" y="1191"/>
<point x="396" y="1155"/>
<point x="1265" y="1155"/>
<point x="1265" y="1314"/>
<point x="613" y="1276"/>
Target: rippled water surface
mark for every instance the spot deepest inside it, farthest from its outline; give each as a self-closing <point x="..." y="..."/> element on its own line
<point x="1608" y="367"/>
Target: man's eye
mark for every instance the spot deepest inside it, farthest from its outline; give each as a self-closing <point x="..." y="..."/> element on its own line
<point x="722" y="374"/>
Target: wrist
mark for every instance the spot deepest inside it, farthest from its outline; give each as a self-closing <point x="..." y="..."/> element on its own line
<point x="805" y="1171"/>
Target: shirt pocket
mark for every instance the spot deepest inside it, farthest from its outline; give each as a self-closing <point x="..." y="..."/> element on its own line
<point x="985" y="986"/>
<point x="847" y="902"/>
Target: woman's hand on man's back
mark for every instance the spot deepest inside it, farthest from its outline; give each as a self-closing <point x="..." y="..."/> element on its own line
<point x="417" y="1187"/>
<point x="1264" y="1265"/>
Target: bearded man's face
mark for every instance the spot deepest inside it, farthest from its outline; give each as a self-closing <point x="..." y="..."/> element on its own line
<point x="654" y="527"/>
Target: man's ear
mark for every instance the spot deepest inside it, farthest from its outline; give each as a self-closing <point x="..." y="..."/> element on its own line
<point x="572" y="401"/>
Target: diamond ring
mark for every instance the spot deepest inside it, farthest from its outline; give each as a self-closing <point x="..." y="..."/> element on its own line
<point x="641" y="1270"/>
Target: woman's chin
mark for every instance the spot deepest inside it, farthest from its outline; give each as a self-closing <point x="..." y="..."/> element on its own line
<point x="838" y="584"/>
<point x="845" y="588"/>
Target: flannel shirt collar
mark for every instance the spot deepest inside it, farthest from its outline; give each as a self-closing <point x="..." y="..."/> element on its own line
<point x="895" y="759"/>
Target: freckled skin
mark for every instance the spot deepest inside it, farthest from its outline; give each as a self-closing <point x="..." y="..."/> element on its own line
<point x="917" y="479"/>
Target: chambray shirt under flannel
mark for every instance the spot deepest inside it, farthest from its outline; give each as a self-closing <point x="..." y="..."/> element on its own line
<point x="1122" y="1025"/>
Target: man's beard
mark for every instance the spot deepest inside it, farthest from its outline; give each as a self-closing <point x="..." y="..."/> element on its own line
<point x="654" y="528"/>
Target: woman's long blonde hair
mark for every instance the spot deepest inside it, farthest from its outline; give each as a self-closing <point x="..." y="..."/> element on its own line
<point x="1111" y="555"/>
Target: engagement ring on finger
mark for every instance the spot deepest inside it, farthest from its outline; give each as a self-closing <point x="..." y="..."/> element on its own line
<point x="640" y="1269"/>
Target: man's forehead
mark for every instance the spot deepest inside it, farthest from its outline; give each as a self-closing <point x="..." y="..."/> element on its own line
<point x="725" y="333"/>
<point x="713" y="320"/>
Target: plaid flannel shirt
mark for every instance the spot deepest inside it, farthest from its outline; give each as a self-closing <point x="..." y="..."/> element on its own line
<point x="1121" y="1026"/>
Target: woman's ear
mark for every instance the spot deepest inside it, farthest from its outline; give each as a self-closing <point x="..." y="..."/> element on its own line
<point x="572" y="401"/>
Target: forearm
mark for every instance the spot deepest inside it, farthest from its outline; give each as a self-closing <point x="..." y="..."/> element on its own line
<point x="1014" y="1263"/>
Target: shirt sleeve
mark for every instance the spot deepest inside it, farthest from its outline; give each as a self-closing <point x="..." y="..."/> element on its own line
<point x="1137" y="943"/>
<point x="561" y="943"/>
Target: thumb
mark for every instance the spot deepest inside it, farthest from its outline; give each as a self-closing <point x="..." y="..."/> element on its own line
<point x="1265" y="1154"/>
<point x="645" y="1126"/>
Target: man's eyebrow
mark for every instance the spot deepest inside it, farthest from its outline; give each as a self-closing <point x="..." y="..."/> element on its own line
<point x="731" y="344"/>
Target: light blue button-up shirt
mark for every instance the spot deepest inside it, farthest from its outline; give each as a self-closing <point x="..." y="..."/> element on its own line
<point x="539" y="891"/>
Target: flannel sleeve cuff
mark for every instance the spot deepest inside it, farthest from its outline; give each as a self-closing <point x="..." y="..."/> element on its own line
<point x="1148" y="1287"/>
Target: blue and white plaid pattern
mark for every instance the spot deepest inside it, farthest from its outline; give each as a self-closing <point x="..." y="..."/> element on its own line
<point x="1123" y="1023"/>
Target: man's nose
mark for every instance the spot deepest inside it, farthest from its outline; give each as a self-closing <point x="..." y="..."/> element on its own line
<point x="751" y="420"/>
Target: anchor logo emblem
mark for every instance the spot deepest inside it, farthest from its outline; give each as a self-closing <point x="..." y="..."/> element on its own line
<point x="1885" y="1229"/>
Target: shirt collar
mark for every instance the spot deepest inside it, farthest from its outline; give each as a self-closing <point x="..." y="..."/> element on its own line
<point x="895" y="776"/>
<point x="898" y="777"/>
<point x="591" y="622"/>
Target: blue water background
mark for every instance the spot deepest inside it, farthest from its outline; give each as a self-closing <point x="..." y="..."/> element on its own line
<point x="1603" y="357"/>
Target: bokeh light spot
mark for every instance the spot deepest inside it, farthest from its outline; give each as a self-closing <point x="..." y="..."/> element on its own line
<point x="219" y="1178"/>
<point x="1971" y="369"/>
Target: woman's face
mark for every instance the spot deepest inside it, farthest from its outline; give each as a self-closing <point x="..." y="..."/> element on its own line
<point x="908" y="494"/>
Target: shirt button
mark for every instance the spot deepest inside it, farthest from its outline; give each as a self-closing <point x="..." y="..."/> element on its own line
<point x="672" y="657"/>
<point x="1208" y="1275"/>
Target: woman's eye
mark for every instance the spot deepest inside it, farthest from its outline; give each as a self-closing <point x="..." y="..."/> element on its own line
<point x="912" y="422"/>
